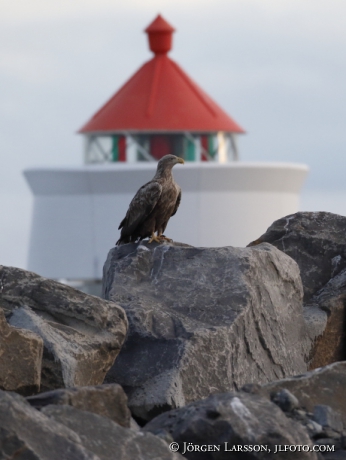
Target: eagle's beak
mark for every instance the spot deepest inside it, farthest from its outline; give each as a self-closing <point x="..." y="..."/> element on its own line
<point x="180" y="160"/>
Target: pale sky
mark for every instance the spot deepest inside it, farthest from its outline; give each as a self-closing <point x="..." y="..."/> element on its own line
<point x="277" y="67"/>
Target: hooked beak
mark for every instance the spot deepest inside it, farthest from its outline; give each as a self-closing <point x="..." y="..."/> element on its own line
<point x="180" y="160"/>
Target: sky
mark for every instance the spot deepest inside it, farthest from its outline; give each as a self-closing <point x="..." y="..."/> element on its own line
<point x="277" y="67"/>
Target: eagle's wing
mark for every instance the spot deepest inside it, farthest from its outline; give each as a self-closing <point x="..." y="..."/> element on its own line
<point x="177" y="203"/>
<point x="141" y="206"/>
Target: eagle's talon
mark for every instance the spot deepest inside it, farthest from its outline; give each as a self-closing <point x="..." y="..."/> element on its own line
<point x="155" y="238"/>
<point x="163" y="237"/>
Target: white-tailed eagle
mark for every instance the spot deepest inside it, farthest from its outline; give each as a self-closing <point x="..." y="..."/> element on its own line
<point x="153" y="205"/>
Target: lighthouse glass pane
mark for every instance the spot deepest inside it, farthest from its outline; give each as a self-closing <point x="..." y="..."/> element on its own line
<point x="204" y="148"/>
<point x="190" y="150"/>
<point x="118" y="149"/>
<point x="166" y="144"/>
<point x="115" y="148"/>
<point x="142" y="141"/>
<point x="160" y="146"/>
<point x="212" y="146"/>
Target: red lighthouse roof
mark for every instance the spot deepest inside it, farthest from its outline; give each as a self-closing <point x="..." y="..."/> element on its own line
<point x="160" y="97"/>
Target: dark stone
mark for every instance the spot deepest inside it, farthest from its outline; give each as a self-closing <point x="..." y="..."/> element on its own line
<point x="285" y="400"/>
<point x="314" y="429"/>
<point x="11" y="447"/>
<point x="82" y="334"/>
<point x="20" y="359"/>
<point x="337" y="455"/>
<point x="106" y="400"/>
<point x="27" y="434"/>
<point x="203" y="320"/>
<point x="253" y="388"/>
<point x="327" y="417"/>
<point x="107" y="439"/>
<point x="244" y="419"/>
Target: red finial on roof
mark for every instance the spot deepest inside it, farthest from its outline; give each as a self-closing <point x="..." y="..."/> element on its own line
<point x="160" y="35"/>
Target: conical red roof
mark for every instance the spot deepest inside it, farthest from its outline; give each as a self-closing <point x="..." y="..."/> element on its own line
<point x="160" y="96"/>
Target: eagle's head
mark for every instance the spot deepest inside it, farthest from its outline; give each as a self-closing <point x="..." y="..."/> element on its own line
<point x="165" y="165"/>
<point x="168" y="161"/>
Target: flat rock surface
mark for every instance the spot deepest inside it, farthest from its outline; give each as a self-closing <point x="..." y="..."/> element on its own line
<point x="82" y="334"/>
<point x="232" y="419"/>
<point x="106" y="400"/>
<point x="20" y="359"/>
<point x="108" y="440"/>
<point x="203" y="320"/>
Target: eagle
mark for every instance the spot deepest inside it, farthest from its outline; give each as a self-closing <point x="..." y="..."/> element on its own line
<point x="153" y="205"/>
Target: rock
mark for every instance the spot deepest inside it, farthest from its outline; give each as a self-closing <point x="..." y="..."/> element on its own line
<point x="285" y="400"/>
<point x="316" y="241"/>
<point x="233" y="419"/>
<point x="314" y="429"/>
<point x="253" y="388"/>
<point x="203" y="320"/>
<point x="330" y="345"/>
<point x="20" y="359"/>
<point x="106" y="400"/>
<point x="27" y="434"/>
<point x="13" y="447"/>
<point x="108" y="440"/>
<point x="327" y="417"/>
<point x="320" y="386"/>
<point x="82" y="334"/>
<point x="338" y="455"/>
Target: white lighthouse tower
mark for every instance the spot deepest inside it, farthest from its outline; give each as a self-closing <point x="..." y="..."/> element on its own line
<point x="159" y="110"/>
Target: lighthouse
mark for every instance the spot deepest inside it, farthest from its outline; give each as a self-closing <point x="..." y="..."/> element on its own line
<point x="160" y="110"/>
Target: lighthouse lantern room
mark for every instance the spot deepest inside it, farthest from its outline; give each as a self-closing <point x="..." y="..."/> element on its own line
<point x="160" y="110"/>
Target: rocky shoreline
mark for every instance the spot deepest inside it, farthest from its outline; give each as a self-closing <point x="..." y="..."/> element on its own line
<point x="202" y="353"/>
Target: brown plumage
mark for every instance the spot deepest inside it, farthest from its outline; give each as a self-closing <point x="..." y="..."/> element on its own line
<point x="153" y="205"/>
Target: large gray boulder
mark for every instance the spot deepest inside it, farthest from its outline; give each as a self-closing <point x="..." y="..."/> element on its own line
<point x="106" y="400"/>
<point x="107" y="439"/>
<point x="241" y="425"/>
<point x="20" y="359"/>
<point x="203" y="320"/>
<point x="27" y="434"/>
<point x="82" y="334"/>
<point x="316" y="241"/>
